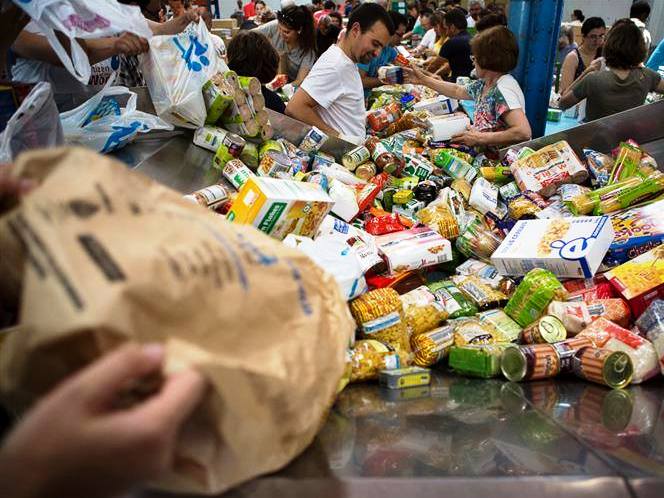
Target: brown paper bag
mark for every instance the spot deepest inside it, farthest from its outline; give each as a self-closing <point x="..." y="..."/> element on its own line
<point x="111" y="256"/>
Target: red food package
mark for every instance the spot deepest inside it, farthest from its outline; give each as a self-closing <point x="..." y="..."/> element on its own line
<point x="402" y="283"/>
<point x="615" y="310"/>
<point x="589" y="289"/>
<point x="366" y="194"/>
<point x="382" y="225"/>
<point x="381" y="179"/>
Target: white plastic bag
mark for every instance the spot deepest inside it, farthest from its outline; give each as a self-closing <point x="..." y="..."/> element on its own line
<point x="82" y="19"/>
<point x="103" y="125"/>
<point x="34" y="125"/>
<point x="175" y="69"/>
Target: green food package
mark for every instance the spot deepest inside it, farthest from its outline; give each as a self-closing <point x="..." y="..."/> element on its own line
<point x="538" y="288"/>
<point x="249" y="155"/>
<point x="455" y="303"/>
<point x="477" y="361"/>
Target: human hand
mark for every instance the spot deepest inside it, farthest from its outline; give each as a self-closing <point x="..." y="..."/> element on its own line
<point x="130" y="44"/>
<point x="413" y="75"/>
<point x="595" y="65"/>
<point x="77" y="442"/>
<point x="471" y="137"/>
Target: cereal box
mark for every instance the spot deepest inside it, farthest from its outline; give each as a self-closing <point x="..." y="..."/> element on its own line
<point x="568" y="247"/>
<point x="640" y="280"/>
<point x="637" y="231"/>
<point x="414" y="249"/>
<point x="279" y="207"/>
<point x="548" y="168"/>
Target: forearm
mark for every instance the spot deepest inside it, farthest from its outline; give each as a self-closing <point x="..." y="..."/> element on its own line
<point x="172" y="27"/>
<point x="370" y="82"/>
<point x="511" y="136"/>
<point x="448" y="89"/>
<point x="99" y="49"/>
<point x="309" y="116"/>
<point x="301" y="74"/>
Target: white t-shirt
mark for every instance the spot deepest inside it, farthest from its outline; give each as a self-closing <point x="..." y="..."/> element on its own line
<point x="429" y="39"/>
<point x="335" y="84"/>
<point x="219" y="45"/>
<point x="470" y="21"/>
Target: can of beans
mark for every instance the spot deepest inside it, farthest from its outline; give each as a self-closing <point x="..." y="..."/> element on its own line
<point x="351" y="160"/>
<point x="568" y="348"/>
<point x="546" y="330"/>
<point x="237" y="173"/>
<point x="274" y="163"/>
<point x="539" y="361"/>
<point x="609" y="368"/>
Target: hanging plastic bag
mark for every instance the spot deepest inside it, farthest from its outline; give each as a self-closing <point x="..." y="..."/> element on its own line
<point x="82" y="19"/>
<point x="34" y="125"/>
<point x="175" y="69"/>
<point x="104" y="125"/>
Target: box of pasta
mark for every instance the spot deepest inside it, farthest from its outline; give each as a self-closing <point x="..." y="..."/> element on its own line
<point x="568" y="247"/>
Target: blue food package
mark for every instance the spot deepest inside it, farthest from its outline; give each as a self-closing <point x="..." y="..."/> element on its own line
<point x="637" y="230"/>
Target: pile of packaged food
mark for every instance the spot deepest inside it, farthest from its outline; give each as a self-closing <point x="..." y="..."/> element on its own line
<point x="539" y="264"/>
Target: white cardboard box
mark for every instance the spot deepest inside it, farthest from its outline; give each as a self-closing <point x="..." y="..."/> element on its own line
<point x="568" y="247"/>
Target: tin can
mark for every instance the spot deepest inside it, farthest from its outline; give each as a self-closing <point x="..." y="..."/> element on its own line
<point x="609" y="368"/>
<point x="538" y="361"/>
<point x="404" y="377"/>
<point x="266" y="131"/>
<point x="388" y="198"/>
<point x="366" y="171"/>
<point x="249" y="156"/>
<point x="351" y="160"/>
<point x="568" y="348"/>
<point x="231" y="148"/>
<point x="237" y="173"/>
<point x="209" y="197"/>
<point x="274" y="163"/>
<point x="321" y="161"/>
<point x="382" y="155"/>
<point x="270" y="145"/>
<point x="547" y="329"/>
<point x="477" y="360"/>
<point x="313" y="140"/>
<point x="249" y="128"/>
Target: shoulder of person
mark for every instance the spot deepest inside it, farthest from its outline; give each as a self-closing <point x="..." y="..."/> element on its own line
<point x="572" y="56"/>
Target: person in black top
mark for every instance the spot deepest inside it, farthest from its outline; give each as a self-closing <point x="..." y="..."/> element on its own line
<point x="456" y="50"/>
<point x="250" y="53"/>
<point x="327" y="32"/>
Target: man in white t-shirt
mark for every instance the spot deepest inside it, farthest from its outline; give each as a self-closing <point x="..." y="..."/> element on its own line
<point x="474" y="10"/>
<point x="331" y="97"/>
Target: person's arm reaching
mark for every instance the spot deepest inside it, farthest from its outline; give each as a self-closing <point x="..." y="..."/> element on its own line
<point x="518" y="131"/>
<point x="175" y="25"/>
<point x="368" y="81"/>
<point x="36" y="47"/>
<point x="451" y="90"/>
<point x="303" y="108"/>
<point x="77" y="441"/>
<point x="301" y="74"/>
<point x="567" y="71"/>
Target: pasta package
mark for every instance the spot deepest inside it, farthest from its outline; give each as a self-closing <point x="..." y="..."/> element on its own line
<point x="546" y="169"/>
<point x="474" y="332"/>
<point x="422" y="319"/>
<point x="533" y="295"/>
<point x="568" y="247"/>
<point x="482" y="294"/>
<point x="432" y="346"/>
<point x="379" y="315"/>
<point x="608" y="335"/>
<point x="641" y="280"/>
<point x="369" y="357"/>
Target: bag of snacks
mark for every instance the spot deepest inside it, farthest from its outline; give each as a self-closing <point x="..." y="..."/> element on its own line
<point x="608" y="335"/>
<point x="599" y="165"/>
<point x="185" y="278"/>
<point x="538" y="288"/>
<point x="379" y="315"/>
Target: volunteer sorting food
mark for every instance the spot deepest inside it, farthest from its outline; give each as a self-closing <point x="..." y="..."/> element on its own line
<point x="195" y="340"/>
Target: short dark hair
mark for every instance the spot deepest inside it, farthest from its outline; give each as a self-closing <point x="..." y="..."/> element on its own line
<point x="413" y="5"/>
<point x="336" y="15"/>
<point x="456" y="18"/>
<point x="496" y="49"/>
<point x="368" y="14"/>
<point x="579" y="14"/>
<point x="426" y="12"/>
<point x="640" y="10"/>
<point x="260" y="1"/>
<point x="398" y="19"/>
<point x="250" y="53"/>
<point x="624" y="47"/>
<point x="490" y="21"/>
<point x="592" y="23"/>
<point x="329" y="5"/>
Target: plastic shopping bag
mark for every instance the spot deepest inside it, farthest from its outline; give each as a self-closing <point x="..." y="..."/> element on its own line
<point x="34" y="125"/>
<point x="82" y="19"/>
<point x="175" y="69"/>
<point x="103" y="125"/>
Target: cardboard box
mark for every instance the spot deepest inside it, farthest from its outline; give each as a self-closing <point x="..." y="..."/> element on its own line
<point x="568" y="247"/>
<point x="414" y="249"/>
<point x="224" y="23"/>
<point x="637" y="230"/>
<point x="279" y="207"/>
<point x="641" y="280"/>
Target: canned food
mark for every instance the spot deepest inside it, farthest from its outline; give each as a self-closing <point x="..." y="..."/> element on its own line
<point x="547" y="329"/>
<point x="249" y="156"/>
<point x="609" y="368"/>
<point x="213" y="138"/>
<point x="274" y="163"/>
<point x="366" y="171"/>
<point x="351" y="160"/>
<point x="568" y="348"/>
<point x="313" y="140"/>
<point x="539" y="361"/>
<point x="237" y="173"/>
<point x="404" y="377"/>
<point x="209" y="197"/>
<point x="380" y="119"/>
<point x="270" y="145"/>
